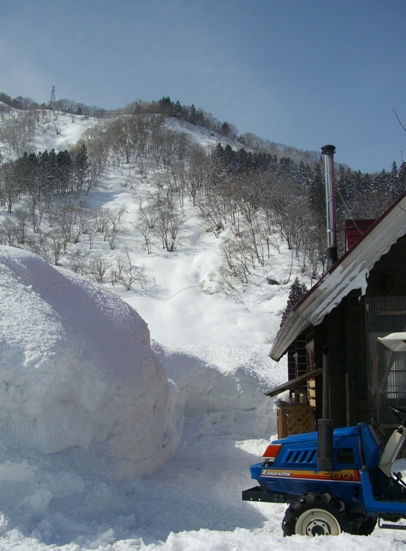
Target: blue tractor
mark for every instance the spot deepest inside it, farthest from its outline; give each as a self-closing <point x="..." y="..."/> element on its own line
<point x="351" y="494"/>
<point x="335" y="480"/>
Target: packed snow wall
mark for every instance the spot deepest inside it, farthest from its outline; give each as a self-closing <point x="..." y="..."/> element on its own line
<point x="76" y="369"/>
<point x="224" y="386"/>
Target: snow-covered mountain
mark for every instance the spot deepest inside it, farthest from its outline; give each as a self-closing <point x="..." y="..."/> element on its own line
<point x="130" y="417"/>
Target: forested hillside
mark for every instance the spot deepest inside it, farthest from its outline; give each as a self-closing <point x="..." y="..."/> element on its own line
<point x="250" y="193"/>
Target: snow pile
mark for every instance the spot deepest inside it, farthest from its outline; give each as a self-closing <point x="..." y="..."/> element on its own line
<point x="76" y="369"/>
<point x="224" y="386"/>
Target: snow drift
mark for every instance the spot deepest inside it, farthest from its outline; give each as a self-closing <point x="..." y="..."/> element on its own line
<point x="76" y="369"/>
<point x="222" y="385"/>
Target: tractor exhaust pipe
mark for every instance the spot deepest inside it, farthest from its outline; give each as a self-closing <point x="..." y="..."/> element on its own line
<point x="328" y="152"/>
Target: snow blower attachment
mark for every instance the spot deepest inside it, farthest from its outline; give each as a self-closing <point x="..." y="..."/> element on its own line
<point x="341" y="480"/>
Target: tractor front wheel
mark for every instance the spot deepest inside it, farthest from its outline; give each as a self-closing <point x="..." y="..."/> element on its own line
<point x="315" y="515"/>
<point x="366" y="527"/>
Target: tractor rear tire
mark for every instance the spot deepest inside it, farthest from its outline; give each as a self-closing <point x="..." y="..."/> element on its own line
<point x="315" y="515"/>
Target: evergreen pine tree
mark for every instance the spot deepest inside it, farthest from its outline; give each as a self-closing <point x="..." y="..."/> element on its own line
<point x="64" y="161"/>
<point x="297" y="291"/>
<point x="166" y="105"/>
<point x="402" y="177"/>
<point x="230" y="158"/>
<point x="193" y="115"/>
<point x="225" y="129"/>
<point x="317" y="192"/>
<point x="177" y="110"/>
<point x="82" y="168"/>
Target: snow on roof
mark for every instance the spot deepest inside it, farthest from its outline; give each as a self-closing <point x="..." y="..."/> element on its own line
<point x="350" y="272"/>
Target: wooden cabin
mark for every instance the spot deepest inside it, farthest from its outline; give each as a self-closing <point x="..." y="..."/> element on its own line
<point x="335" y="328"/>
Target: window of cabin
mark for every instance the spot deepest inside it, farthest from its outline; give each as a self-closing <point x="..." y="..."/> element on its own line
<point x="386" y="368"/>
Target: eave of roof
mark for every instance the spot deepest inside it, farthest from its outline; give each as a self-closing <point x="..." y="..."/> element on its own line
<point x="348" y="273"/>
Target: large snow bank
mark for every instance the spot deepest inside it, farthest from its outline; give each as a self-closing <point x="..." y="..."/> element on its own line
<point x="223" y="385"/>
<point x="76" y="369"/>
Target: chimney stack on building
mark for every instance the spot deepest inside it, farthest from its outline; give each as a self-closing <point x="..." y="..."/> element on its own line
<point x="328" y="152"/>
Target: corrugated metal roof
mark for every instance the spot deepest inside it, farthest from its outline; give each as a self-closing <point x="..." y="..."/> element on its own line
<point x="348" y="273"/>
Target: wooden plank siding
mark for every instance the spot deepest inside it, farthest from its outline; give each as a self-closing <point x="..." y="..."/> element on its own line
<point x="336" y="351"/>
<point x="346" y="323"/>
<point x="344" y="332"/>
<point x="356" y="359"/>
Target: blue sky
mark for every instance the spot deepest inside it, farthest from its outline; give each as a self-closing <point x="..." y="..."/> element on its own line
<point x="298" y="72"/>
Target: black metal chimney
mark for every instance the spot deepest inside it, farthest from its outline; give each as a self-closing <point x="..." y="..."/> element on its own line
<point x="328" y="152"/>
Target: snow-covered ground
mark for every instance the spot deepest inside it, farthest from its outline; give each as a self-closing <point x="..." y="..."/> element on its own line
<point x="123" y="431"/>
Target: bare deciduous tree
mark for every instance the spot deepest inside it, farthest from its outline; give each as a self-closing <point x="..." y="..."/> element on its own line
<point x="168" y="225"/>
<point x="98" y="267"/>
<point x="114" y="220"/>
<point x="146" y="223"/>
<point x="78" y="262"/>
<point x="127" y="273"/>
<point x="9" y="232"/>
<point x="39" y="244"/>
<point x="57" y="244"/>
<point x="8" y="185"/>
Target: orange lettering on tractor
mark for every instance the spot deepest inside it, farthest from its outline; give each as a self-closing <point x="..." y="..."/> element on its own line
<point x="339" y="476"/>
